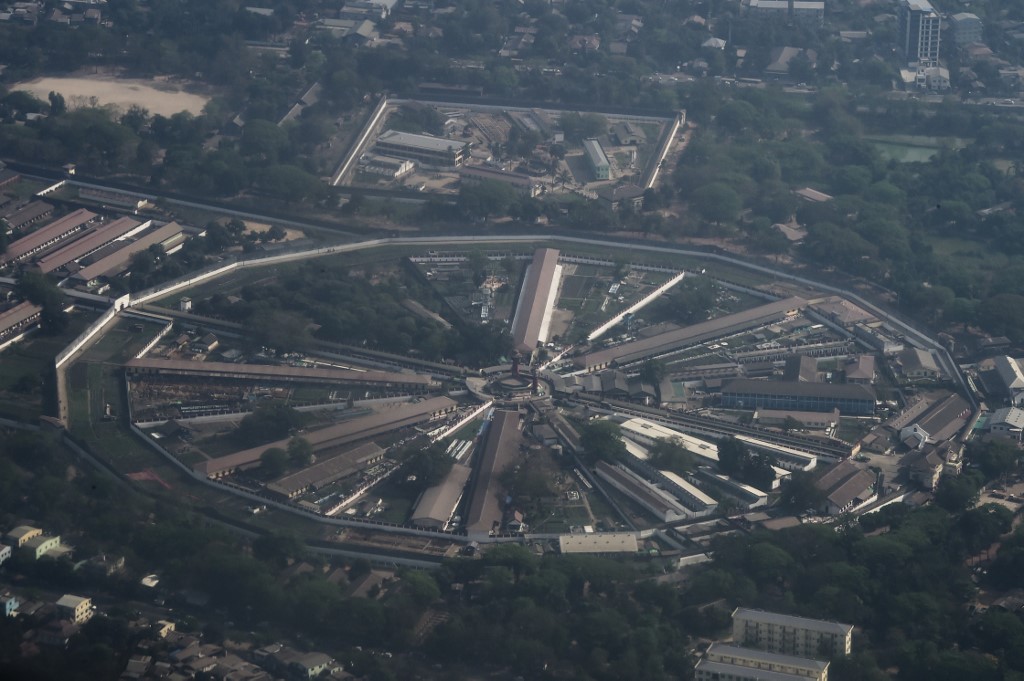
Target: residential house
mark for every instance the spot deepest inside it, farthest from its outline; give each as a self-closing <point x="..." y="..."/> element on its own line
<point x="5" y="553"/>
<point x="40" y="545"/>
<point x="9" y="604"/>
<point x="21" y="534"/>
<point x="57" y="633"/>
<point x="75" y="609"/>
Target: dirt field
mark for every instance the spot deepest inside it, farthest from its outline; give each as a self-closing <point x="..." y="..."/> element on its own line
<point x="260" y="227"/>
<point x="158" y="97"/>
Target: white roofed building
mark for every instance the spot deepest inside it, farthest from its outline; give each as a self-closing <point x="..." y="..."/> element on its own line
<point x="1007" y="422"/>
<point x="1011" y="377"/>
<point x="435" y="151"/>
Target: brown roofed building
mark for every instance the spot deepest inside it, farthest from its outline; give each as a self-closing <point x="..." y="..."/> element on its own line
<point x="325" y="472"/>
<point x="501" y="450"/>
<point x="801" y="368"/>
<point x="438" y="503"/>
<point x="18" y="318"/>
<point x="28" y="215"/>
<point x="846" y="486"/>
<point x="536" y="300"/>
<point x="46" y="236"/>
<point x="93" y="241"/>
<point x="690" y="335"/>
<point x="337" y="435"/>
<point x="168" y="236"/>
<point x="147" y="366"/>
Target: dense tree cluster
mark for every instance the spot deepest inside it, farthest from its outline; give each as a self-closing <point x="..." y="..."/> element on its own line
<point x="331" y="303"/>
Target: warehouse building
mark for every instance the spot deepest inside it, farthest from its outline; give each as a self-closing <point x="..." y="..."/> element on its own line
<point x="501" y="451"/>
<point x="695" y="334"/>
<point x="325" y="472"/>
<point x="752" y="394"/>
<point x="28" y="215"/>
<point x="88" y="244"/>
<point x="152" y="367"/>
<point x="117" y="256"/>
<point x="19" y="318"/>
<point x="749" y="497"/>
<point x="691" y="496"/>
<point x="437" y="504"/>
<point x="648" y="432"/>
<point x="427" y="149"/>
<point x="663" y="505"/>
<point x="47" y="236"/>
<point x="337" y="435"/>
<point x="536" y="301"/>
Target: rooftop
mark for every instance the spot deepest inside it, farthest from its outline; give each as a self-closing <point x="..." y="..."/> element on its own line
<point x="720" y="650"/>
<point x="54" y="230"/>
<point x="766" y="617"/>
<point x="338" y="434"/>
<point x="265" y="371"/>
<point x="1008" y="416"/>
<point x="1009" y="372"/>
<point x="728" y="671"/>
<point x="676" y="338"/>
<point x="122" y="256"/>
<point x="536" y="300"/>
<point x="500" y="450"/>
<point x="595" y="152"/>
<point x="70" y="601"/>
<point x="101" y="236"/>
<point x="427" y="142"/>
<point x="327" y="471"/>
<point x="824" y="390"/>
<point x="598" y="542"/>
<point x="18" y="315"/>
<point x="437" y="502"/>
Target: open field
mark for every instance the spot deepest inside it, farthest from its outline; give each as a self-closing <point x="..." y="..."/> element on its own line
<point x="913" y="148"/>
<point x="165" y="99"/>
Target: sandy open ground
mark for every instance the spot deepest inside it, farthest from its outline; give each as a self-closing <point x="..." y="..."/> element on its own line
<point x="163" y="99"/>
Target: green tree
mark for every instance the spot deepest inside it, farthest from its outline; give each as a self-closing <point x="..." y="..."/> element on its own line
<point x="717" y="202"/>
<point x="274" y="462"/>
<point x="960" y="493"/>
<point x="300" y="452"/>
<point x="602" y="441"/>
<point x="37" y="289"/>
<point x="487" y="198"/>
<point x="430" y="465"/>
<point x="670" y="454"/>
